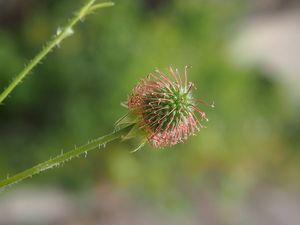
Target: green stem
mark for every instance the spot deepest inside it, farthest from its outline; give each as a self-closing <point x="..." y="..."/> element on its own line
<point x="61" y="35"/>
<point x="64" y="157"/>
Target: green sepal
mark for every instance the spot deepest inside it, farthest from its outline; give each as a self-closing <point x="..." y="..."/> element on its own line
<point x="141" y="144"/>
<point x="130" y="118"/>
<point x="135" y="132"/>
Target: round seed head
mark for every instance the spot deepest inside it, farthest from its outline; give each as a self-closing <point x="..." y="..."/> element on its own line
<point x="166" y="108"/>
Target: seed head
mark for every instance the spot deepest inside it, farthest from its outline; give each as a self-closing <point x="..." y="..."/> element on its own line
<point x="165" y="107"/>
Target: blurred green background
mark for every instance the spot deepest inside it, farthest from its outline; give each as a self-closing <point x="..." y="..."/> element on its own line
<point x="252" y="139"/>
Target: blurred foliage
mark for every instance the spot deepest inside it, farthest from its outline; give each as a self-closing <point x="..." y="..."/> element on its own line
<point x="75" y="95"/>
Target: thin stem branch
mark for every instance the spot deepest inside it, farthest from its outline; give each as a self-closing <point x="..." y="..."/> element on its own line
<point x="64" y="157"/>
<point x="60" y="36"/>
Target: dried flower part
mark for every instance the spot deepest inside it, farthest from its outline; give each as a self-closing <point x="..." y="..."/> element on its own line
<point x="166" y="108"/>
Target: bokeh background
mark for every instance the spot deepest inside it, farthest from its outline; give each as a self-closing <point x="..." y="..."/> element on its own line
<point x="243" y="169"/>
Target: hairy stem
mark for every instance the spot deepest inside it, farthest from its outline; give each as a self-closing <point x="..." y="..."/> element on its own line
<point x="64" y="157"/>
<point x="61" y="35"/>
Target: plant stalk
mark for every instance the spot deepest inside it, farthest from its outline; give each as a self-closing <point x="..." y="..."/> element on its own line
<point x="88" y="8"/>
<point x="64" y="157"/>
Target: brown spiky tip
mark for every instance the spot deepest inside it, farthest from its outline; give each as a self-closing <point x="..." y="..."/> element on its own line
<point x="165" y="108"/>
